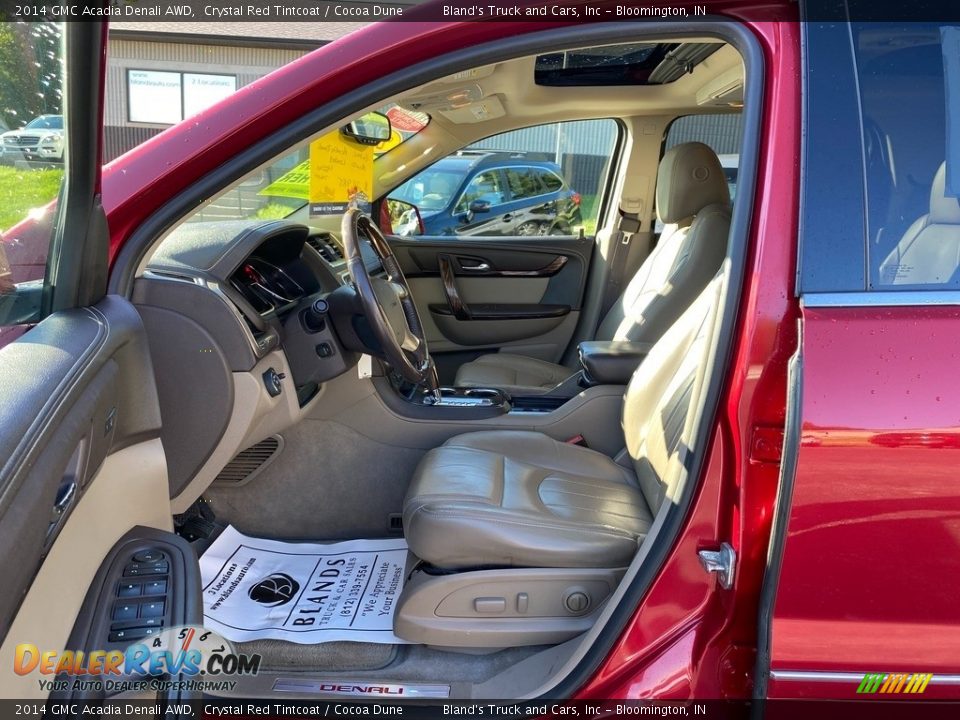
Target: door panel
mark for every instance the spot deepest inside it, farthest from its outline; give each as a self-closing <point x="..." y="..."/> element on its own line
<point x="84" y="463"/>
<point x="870" y="546"/>
<point x="520" y="294"/>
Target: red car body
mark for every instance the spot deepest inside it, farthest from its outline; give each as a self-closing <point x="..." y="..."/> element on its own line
<point x="861" y="585"/>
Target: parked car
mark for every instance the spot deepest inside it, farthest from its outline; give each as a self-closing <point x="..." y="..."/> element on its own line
<point x="476" y="192"/>
<point x="39" y="139"/>
<point x="717" y="464"/>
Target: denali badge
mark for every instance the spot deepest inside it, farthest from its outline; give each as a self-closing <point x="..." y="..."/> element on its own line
<point x="361" y="689"/>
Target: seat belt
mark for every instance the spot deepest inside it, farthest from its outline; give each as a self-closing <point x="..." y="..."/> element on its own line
<point x="627" y="226"/>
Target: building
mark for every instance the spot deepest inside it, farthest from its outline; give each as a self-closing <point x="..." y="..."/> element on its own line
<point x="160" y="72"/>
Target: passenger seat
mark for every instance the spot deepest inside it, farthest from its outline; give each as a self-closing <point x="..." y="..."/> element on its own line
<point x="693" y="201"/>
<point x="929" y="251"/>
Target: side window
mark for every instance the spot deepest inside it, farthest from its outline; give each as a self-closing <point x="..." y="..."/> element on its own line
<point x="569" y="161"/>
<point x="485" y="187"/>
<point x="524" y="183"/>
<point x="551" y="181"/>
<point x="883" y="213"/>
<point x="32" y="153"/>
<point x="912" y="210"/>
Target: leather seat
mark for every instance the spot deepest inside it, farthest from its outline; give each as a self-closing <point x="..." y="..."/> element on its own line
<point x="693" y="200"/>
<point x="523" y="499"/>
<point x="929" y="251"/>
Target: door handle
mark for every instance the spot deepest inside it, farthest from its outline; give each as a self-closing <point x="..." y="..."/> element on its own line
<point x="507" y="218"/>
<point x="66" y="494"/>
<point x="479" y="267"/>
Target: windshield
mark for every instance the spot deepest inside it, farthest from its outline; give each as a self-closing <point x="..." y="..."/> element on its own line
<point x="431" y="190"/>
<point x="49" y="122"/>
<point x="283" y="187"/>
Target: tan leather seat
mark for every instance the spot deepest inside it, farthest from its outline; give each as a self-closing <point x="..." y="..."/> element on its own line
<point x="693" y="200"/>
<point x="929" y="251"/>
<point x="522" y="499"/>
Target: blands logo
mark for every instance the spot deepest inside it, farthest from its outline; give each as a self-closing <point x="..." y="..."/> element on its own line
<point x="894" y="683"/>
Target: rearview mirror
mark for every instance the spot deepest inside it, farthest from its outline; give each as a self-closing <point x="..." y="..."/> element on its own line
<point x="370" y="129"/>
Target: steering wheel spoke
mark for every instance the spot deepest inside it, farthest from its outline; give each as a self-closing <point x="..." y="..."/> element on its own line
<point x="387" y="302"/>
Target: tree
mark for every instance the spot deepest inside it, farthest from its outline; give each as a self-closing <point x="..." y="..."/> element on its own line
<point x="31" y="71"/>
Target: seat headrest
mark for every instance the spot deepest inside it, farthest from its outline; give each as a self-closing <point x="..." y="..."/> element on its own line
<point x="943" y="210"/>
<point x="689" y="179"/>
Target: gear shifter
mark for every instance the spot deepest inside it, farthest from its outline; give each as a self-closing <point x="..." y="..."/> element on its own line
<point x="431" y="383"/>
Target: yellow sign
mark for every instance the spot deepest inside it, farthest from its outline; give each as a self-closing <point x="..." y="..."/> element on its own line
<point x="395" y="139"/>
<point x="341" y="174"/>
<point x="292" y="184"/>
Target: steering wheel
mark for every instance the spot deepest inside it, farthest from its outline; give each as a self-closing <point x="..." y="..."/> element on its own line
<point x="388" y="303"/>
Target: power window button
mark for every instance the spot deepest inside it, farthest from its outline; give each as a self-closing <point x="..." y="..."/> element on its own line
<point x="156" y="587"/>
<point x="128" y="589"/>
<point x="124" y="612"/>
<point x="153" y="609"/>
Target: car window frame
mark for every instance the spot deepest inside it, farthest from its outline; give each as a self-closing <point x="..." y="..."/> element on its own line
<point x="76" y="263"/>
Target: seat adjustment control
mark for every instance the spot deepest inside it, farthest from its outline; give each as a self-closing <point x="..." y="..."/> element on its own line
<point x="576" y="600"/>
<point x="490" y="605"/>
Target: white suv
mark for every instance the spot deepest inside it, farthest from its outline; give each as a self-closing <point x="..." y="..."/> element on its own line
<point x="39" y="139"/>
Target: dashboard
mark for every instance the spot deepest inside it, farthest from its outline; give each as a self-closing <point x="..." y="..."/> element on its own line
<point x="236" y="300"/>
<point x="266" y="275"/>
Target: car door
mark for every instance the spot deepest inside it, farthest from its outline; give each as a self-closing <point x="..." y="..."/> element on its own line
<point x="491" y="289"/>
<point x="859" y="602"/>
<point x="82" y="467"/>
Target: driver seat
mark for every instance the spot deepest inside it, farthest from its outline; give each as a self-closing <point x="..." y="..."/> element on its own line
<point x="693" y="200"/>
<point x="517" y="499"/>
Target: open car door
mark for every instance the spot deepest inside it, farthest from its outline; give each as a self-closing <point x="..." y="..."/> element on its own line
<point x="83" y="480"/>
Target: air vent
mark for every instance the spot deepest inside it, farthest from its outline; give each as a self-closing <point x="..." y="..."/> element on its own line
<point x="327" y="246"/>
<point x="248" y="463"/>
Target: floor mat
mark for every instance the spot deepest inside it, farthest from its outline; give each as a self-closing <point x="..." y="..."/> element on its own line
<point x="306" y="593"/>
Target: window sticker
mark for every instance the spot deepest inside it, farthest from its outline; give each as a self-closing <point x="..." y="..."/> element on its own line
<point x="341" y="175"/>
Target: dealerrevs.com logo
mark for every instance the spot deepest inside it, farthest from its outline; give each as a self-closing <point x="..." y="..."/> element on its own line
<point x="197" y="658"/>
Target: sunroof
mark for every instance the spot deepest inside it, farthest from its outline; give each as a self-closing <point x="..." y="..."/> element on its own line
<point x="631" y="64"/>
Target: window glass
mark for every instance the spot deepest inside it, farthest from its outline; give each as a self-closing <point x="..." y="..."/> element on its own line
<point x="541" y="180"/>
<point x="280" y="189"/>
<point x="32" y="152"/>
<point x="550" y="182"/>
<point x="913" y="218"/>
<point x="525" y="183"/>
<point x="485" y="187"/>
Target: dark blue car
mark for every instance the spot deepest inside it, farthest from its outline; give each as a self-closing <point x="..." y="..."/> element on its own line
<point x="492" y="193"/>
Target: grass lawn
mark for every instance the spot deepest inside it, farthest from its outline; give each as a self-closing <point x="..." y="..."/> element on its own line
<point x="589" y="210"/>
<point x="23" y="190"/>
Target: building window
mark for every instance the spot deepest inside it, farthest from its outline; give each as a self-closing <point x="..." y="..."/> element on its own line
<point x="165" y="98"/>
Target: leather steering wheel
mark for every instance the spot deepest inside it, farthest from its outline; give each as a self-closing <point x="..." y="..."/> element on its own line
<point x="387" y="302"/>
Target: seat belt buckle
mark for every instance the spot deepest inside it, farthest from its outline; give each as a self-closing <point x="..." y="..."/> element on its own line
<point x="577" y="440"/>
